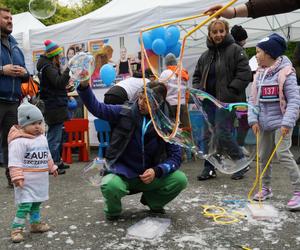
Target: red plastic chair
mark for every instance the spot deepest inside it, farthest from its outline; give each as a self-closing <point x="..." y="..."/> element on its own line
<point x="75" y="128"/>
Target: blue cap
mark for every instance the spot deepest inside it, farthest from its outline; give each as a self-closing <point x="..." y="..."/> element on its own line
<point x="274" y="45"/>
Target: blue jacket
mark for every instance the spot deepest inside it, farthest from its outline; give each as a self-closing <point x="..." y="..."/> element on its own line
<point x="130" y="162"/>
<point x="10" y="87"/>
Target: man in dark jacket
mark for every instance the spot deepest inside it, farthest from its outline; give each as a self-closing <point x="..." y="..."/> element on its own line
<point x="135" y="154"/>
<point x="54" y="94"/>
<point x="12" y="73"/>
<point x="257" y="8"/>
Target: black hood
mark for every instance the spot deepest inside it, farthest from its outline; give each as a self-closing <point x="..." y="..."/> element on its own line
<point x="43" y="60"/>
<point x="225" y="43"/>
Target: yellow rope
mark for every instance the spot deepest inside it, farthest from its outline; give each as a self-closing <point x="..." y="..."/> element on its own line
<point x="220" y="215"/>
<point x="207" y="213"/>
<point x="257" y="170"/>
<point x="218" y="219"/>
<point x="259" y="175"/>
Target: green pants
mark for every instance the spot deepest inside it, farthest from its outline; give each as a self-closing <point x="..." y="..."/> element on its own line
<point x="33" y="209"/>
<point x="156" y="194"/>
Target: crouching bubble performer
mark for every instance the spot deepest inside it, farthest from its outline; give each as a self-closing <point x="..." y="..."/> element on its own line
<point x="138" y="159"/>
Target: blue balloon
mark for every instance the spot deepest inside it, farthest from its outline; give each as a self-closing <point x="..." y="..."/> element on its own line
<point x="108" y="74"/>
<point x="167" y="51"/>
<point x="147" y="40"/>
<point x="159" y="47"/>
<point x="72" y="104"/>
<point x="159" y="32"/>
<point x="172" y="35"/>
<point x="175" y="49"/>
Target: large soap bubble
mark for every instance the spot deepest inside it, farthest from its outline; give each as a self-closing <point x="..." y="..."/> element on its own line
<point x="42" y="9"/>
<point x="94" y="172"/>
<point x="214" y="131"/>
<point x="81" y="66"/>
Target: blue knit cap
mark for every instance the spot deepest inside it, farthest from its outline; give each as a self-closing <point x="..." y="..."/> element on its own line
<point x="274" y="45"/>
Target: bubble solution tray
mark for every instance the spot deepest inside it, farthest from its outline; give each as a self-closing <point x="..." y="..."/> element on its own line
<point x="149" y="228"/>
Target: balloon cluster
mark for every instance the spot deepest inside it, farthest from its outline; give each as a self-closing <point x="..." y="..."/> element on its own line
<point x="163" y="40"/>
<point x="81" y="66"/>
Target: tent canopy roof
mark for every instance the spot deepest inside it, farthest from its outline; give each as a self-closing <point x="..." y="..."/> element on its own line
<point x="23" y="22"/>
<point x="119" y="17"/>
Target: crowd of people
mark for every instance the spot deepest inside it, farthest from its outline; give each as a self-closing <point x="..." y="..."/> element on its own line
<point x="138" y="160"/>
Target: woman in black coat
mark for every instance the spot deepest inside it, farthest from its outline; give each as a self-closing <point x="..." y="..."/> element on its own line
<point x="222" y="71"/>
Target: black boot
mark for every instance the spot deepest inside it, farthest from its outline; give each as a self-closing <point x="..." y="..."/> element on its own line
<point x="59" y="171"/>
<point x="154" y="211"/>
<point x="240" y="174"/>
<point x="207" y="173"/>
<point x="63" y="166"/>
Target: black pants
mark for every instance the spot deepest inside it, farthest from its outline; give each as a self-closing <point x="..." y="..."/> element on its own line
<point x="222" y="121"/>
<point x="8" y="118"/>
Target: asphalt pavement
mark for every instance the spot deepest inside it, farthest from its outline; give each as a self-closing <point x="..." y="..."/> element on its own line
<point x="74" y="212"/>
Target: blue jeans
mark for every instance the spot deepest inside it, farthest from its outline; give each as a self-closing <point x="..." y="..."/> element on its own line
<point x="54" y="137"/>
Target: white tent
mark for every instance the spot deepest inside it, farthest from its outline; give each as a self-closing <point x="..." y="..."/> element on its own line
<point x="120" y="18"/>
<point x="22" y="23"/>
<point x="123" y="18"/>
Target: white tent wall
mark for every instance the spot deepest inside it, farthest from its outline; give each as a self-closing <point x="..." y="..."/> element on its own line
<point x="21" y="24"/>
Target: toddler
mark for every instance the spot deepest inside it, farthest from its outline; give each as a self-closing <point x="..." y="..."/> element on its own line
<point x="29" y="164"/>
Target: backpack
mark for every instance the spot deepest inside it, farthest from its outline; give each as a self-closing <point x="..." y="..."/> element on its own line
<point x="30" y="88"/>
<point x="31" y="91"/>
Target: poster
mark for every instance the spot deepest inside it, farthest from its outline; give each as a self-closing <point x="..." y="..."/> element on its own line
<point x="97" y="45"/>
<point x="103" y="53"/>
<point x="36" y="54"/>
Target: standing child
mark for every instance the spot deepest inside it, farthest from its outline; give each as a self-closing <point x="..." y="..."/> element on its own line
<point x="29" y="164"/>
<point x="276" y="95"/>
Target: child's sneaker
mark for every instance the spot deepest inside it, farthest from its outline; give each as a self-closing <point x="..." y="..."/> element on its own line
<point x="39" y="227"/>
<point x="17" y="235"/>
<point x="294" y="203"/>
<point x="265" y="193"/>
